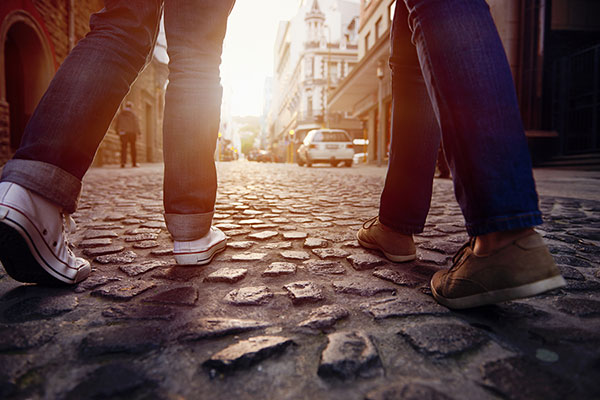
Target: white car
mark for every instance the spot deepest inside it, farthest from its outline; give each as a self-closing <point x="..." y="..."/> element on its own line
<point x="330" y="146"/>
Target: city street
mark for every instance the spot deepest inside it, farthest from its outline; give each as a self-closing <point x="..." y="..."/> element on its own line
<point x="294" y="308"/>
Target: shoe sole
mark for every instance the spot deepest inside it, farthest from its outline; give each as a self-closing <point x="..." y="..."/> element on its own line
<point x="23" y="260"/>
<point x="202" y="257"/>
<point x="498" y="296"/>
<point x="391" y="257"/>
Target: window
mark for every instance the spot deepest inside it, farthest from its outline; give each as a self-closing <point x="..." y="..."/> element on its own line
<point x="367" y="37"/>
<point x="309" y="67"/>
<point x="333" y="71"/>
<point x="378" y="28"/>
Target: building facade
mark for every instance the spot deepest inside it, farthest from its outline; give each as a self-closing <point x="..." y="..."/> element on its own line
<point x="35" y="38"/>
<point x="313" y="52"/>
<point x="553" y="48"/>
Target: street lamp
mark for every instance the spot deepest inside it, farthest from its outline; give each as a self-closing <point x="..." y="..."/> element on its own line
<point x="380" y="127"/>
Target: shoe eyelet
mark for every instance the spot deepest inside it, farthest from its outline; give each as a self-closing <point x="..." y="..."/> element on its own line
<point x="45" y="232"/>
<point x="54" y="244"/>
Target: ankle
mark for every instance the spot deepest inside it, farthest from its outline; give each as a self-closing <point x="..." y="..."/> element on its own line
<point x="489" y="243"/>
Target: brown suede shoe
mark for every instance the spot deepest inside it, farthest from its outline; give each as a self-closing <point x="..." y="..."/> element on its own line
<point x="521" y="269"/>
<point x="395" y="246"/>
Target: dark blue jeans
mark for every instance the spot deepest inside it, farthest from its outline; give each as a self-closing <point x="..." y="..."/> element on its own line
<point x="74" y="114"/>
<point x="464" y="95"/>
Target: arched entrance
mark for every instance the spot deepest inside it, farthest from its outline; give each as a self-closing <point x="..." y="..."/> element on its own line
<point x="28" y="69"/>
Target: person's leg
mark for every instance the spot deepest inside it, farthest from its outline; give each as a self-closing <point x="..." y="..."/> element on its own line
<point x="195" y="30"/>
<point x="132" y="139"/>
<point x="472" y="92"/>
<point x="415" y="139"/>
<point x="43" y="180"/>
<point x="123" y="139"/>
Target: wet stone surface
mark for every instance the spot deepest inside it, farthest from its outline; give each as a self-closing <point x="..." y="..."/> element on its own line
<point x="140" y="327"/>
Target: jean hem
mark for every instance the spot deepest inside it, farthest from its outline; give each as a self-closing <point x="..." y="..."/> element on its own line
<point x="499" y="224"/>
<point x="406" y="229"/>
<point x="187" y="227"/>
<point x="49" y="181"/>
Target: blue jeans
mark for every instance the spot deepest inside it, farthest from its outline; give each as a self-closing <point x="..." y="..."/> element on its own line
<point x="74" y="114"/>
<point x="464" y="95"/>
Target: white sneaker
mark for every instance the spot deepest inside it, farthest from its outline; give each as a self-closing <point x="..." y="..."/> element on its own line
<point x="200" y="251"/>
<point x="33" y="246"/>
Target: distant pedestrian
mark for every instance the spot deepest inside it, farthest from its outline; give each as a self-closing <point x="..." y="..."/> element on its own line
<point x="41" y="184"/>
<point x="128" y="129"/>
<point x="472" y="96"/>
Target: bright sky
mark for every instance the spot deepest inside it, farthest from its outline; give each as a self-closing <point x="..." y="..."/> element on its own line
<point x="248" y="51"/>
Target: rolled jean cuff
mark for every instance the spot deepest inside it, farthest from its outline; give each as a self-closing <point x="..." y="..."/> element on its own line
<point x="405" y="229"/>
<point x="186" y="227"/>
<point x="499" y="224"/>
<point x="49" y="181"/>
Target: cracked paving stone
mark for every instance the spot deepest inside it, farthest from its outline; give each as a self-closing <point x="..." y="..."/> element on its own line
<point x="226" y="227"/>
<point x="227" y="275"/>
<point x="180" y="296"/>
<point x="121" y="339"/>
<point x="252" y="212"/>
<point x="324" y="317"/>
<point x="35" y="308"/>
<point x="23" y="337"/>
<point x="93" y="282"/>
<point x="324" y="268"/>
<point x="361" y="288"/>
<point x="280" y="245"/>
<point x="247" y="352"/>
<point x="242" y="244"/>
<point x="215" y="327"/>
<point x="141" y="237"/>
<point x="295" y="235"/>
<point x="248" y="256"/>
<point x="102" y="251"/>
<point x="141" y="231"/>
<point x="578" y="306"/>
<point x="313" y="243"/>
<point x="162" y="252"/>
<point x="139" y="312"/>
<point x="295" y="255"/>
<point x="140" y="268"/>
<point x="146" y="244"/>
<point x="99" y="234"/>
<point x="89" y="243"/>
<point x="331" y="253"/>
<point x="122" y="258"/>
<point x="253" y="221"/>
<point x="264" y="235"/>
<point x="440" y="340"/>
<point x="352" y="243"/>
<point x="348" y="355"/>
<point x="361" y="262"/>
<point x="279" y="268"/>
<point x="123" y="290"/>
<point x="399" y="278"/>
<point x="432" y="257"/>
<point x="521" y="379"/>
<point x="410" y="391"/>
<point x="406" y="303"/>
<point x="154" y="225"/>
<point x="249" y="296"/>
<point x="264" y="226"/>
<point x="304" y="292"/>
<point x="111" y="381"/>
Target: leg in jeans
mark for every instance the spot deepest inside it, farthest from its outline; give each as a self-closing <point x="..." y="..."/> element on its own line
<point x="415" y="138"/>
<point x="123" y="139"/>
<point x="131" y="140"/>
<point x="72" y="117"/>
<point x="195" y="30"/>
<point x="472" y="91"/>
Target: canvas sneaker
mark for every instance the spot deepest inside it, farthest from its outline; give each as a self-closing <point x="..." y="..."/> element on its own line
<point x="200" y="251"/>
<point x="33" y="243"/>
<point x="395" y="246"/>
<point x="523" y="268"/>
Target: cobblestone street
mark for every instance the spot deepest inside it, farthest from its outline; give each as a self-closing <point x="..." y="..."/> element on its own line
<point x="294" y="308"/>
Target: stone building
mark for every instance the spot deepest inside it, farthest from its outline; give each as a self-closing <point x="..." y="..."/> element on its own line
<point x="35" y="38"/>
<point x="314" y="51"/>
<point x="553" y="48"/>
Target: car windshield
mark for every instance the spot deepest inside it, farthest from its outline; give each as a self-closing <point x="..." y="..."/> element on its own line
<point x="331" y="136"/>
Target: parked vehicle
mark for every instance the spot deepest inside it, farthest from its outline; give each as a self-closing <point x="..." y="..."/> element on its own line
<point x="330" y="146"/>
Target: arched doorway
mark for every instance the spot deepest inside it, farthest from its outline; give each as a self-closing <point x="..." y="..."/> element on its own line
<point x="28" y="69"/>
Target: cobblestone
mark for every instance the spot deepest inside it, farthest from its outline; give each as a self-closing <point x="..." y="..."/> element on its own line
<point x="140" y="326"/>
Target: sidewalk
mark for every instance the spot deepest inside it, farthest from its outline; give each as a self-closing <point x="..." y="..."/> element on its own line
<point x="294" y="308"/>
